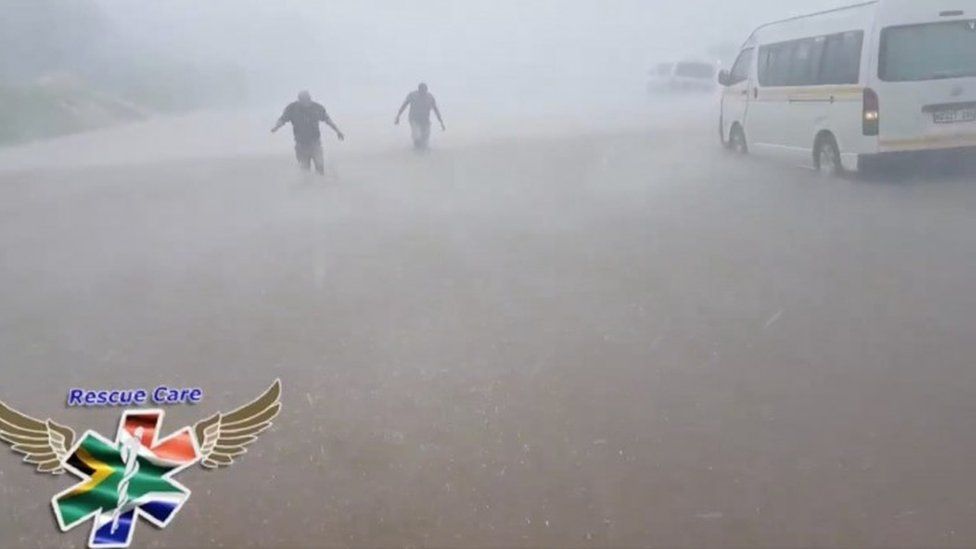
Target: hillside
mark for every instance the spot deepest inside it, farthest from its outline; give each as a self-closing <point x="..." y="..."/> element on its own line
<point x="66" y="68"/>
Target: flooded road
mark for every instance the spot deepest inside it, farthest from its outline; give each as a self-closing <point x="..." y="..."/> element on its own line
<point x="613" y="338"/>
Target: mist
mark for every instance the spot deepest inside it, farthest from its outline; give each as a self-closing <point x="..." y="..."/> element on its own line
<point x="590" y="310"/>
<point x="504" y="53"/>
<point x="120" y="62"/>
<point x="363" y="56"/>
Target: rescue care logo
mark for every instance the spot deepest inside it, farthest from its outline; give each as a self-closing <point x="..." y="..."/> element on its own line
<point x="132" y="476"/>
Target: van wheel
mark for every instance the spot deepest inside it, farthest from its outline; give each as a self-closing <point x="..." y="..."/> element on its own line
<point x="826" y="157"/>
<point x="737" y="140"/>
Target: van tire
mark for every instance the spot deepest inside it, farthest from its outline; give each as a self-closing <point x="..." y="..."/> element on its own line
<point x="737" y="140"/>
<point x="826" y="156"/>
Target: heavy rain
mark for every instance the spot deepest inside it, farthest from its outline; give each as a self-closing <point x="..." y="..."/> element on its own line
<point x="621" y="273"/>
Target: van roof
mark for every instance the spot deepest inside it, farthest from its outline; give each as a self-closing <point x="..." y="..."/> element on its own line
<point x="805" y="16"/>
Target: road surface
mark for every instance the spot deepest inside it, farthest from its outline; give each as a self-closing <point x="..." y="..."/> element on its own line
<point x="605" y="338"/>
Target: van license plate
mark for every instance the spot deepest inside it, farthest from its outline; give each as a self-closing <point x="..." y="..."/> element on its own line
<point x="955" y="116"/>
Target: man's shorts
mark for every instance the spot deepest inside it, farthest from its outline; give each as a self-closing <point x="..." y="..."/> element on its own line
<point x="309" y="153"/>
<point x="420" y="131"/>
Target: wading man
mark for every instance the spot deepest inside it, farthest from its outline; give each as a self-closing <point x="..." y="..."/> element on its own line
<point x="305" y="116"/>
<point x="421" y="102"/>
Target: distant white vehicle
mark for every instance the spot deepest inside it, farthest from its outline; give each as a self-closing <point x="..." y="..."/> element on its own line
<point x="659" y="78"/>
<point x="845" y="87"/>
<point x="683" y="76"/>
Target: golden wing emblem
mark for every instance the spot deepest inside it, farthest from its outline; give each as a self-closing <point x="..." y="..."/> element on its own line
<point x="43" y="443"/>
<point x="223" y="437"/>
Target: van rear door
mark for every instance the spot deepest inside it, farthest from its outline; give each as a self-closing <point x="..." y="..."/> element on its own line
<point x="927" y="83"/>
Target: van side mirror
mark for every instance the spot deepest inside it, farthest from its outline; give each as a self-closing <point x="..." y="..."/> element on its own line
<point x="725" y="78"/>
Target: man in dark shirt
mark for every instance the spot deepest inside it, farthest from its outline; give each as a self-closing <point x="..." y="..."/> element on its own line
<point x="305" y="116"/>
<point x="421" y="102"/>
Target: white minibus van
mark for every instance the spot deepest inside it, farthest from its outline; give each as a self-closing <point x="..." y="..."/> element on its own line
<point x="845" y="87"/>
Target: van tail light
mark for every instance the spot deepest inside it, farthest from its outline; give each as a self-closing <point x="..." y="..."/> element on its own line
<point x="872" y="112"/>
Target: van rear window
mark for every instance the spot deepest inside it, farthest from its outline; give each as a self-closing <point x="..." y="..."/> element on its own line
<point x="928" y="52"/>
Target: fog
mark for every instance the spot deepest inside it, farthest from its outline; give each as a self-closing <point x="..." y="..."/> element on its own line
<point x="73" y="66"/>
<point x="574" y="320"/>
<point x="364" y="56"/>
<point x="506" y="53"/>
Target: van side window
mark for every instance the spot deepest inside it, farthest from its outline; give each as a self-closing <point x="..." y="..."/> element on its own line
<point x="776" y="64"/>
<point x="742" y="67"/>
<point x="821" y="60"/>
<point x="807" y="60"/>
<point x="801" y="68"/>
<point x="842" y="58"/>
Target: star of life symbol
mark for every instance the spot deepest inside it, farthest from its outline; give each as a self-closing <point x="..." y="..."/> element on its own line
<point x="132" y="476"/>
<point x="125" y="479"/>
